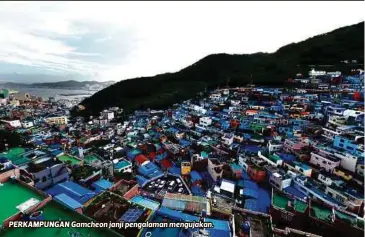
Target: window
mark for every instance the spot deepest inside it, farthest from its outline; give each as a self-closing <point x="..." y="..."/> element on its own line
<point x="324" y="162"/>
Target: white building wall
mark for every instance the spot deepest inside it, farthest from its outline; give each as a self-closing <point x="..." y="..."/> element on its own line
<point x="323" y="162"/>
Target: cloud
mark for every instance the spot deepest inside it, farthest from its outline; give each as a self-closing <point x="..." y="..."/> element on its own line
<point x="120" y="40"/>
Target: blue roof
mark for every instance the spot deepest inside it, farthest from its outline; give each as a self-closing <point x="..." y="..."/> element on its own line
<point x="250" y="193"/>
<point x="67" y="201"/>
<point x="56" y="152"/>
<point x="131" y="215"/>
<point x="175" y="170"/>
<point x="295" y="192"/>
<point x="149" y="170"/>
<point x="195" y="176"/>
<point x="102" y="184"/>
<point x="184" y="142"/>
<point x="122" y="164"/>
<point x="172" y="130"/>
<point x="301" y="165"/>
<point x="176" y="215"/>
<point x="219" y="224"/>
<point x="250" y="185"/>
<point x="145" y="202"/>
<point x="55" y="146"/>
<point x="73" y="190"/>
<point x="240" y="183"/>
<point x="236" y="167"/>
<point x="245" y="175"/>
<point x="251" y="204"/>
<point x="264" y="200"/>
<point x="141" y="180"/>
<point x="197" y="191"/>
<point x="251" y="148"/>
<point x="221" y="228"/>
<point x="287" y="157"/>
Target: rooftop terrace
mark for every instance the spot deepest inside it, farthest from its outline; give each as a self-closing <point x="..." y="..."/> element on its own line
<point x="284" y="202"/>
<point x="68" y="158"/>
<point x="54" y="211"/>
<point x="12" y="195"/>
<point x="321" y="213"/>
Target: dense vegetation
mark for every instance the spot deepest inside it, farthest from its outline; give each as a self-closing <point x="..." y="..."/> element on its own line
<point x="160" y="91"/>
<point x="9" y="139"/>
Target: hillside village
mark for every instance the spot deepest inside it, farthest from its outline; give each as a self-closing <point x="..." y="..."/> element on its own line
<point x="253" y="160"/>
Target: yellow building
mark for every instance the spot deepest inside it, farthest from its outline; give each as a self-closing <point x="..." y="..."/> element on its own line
<point x="185" y="168"/>
<point x="342" y="174"/>
<point x="57" y="120"/>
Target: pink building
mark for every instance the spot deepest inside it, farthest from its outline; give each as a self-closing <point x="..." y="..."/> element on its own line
<point x="294" y="145"/>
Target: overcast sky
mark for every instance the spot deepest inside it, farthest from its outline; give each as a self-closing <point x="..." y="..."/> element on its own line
<point x="121" y="40"/>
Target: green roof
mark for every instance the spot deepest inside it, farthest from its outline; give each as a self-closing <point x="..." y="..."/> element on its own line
<point x="274" y="157"/>
<point x="90" y="158"/>
<point x="14" y="153"/>
<point x="345" y="217"/>
<point x="12" y="195"/>
<point x="55" y="211"/>
<point x="360" y="223"/>
<point x="65" y="158"/>
<point x="321" y="213"/>
<point x="283" y="201"/>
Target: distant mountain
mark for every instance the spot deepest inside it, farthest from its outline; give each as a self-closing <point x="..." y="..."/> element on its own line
<point x="70" y="84"/>
<point x="322" y="51"/>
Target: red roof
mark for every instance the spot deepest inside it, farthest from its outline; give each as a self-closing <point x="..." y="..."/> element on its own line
<point x="166" y="163"/>
<point x="140" y="159"/>
<point x="152" y="155"/>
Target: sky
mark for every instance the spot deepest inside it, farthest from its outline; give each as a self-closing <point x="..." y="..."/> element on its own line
<point x="120" y="40"/>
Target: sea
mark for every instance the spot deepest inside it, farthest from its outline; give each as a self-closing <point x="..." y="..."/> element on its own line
<point x="45" y="93"/>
